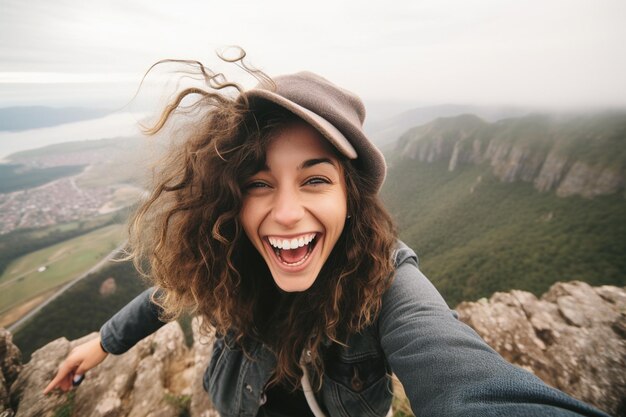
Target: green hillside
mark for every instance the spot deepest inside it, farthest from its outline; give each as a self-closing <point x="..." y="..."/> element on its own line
<point x="476" y="235"/>
<point x="80" y="310"/>
<point x="24" y="241"/>
<point x="48" y="268"/>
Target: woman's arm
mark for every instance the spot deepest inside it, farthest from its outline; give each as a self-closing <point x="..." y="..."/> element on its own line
<point x="138" y="319"/>
<point x="447" y="369"/>
<point x="81" y="359"/>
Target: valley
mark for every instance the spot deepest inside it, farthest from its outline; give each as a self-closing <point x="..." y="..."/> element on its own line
<point x="464" y="193"/>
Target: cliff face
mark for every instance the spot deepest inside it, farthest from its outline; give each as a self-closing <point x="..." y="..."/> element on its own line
<point x="575" y="156"/>
<point x="10" y="367"/>
<point x="573" y="337"/>
<point x="159" y="377"/>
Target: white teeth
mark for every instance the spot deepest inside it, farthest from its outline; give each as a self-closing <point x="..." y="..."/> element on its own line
<point x="293" y="243"/>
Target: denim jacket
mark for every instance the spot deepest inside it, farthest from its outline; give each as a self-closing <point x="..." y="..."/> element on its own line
<point x="444" y="366"/>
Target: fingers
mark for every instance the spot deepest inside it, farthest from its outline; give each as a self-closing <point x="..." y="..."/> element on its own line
<point x="60" y="381"/>
<point x="63" y="378"/>
<point x="65" y="384"/>
<point x="80" y="360"/>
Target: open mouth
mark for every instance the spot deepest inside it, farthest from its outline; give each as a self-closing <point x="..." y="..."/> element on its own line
<point x="293" y="252"/>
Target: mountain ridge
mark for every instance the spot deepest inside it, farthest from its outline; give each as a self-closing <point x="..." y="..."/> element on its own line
<point x="570" y="155"/>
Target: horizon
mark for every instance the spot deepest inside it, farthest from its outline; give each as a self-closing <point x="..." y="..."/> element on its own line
<point x="386" y="115"/>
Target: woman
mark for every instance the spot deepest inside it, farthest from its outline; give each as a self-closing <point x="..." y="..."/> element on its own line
<point x="267" y="222"/>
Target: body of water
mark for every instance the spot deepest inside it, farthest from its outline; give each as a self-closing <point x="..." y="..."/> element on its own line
<point x="110" y="126"/>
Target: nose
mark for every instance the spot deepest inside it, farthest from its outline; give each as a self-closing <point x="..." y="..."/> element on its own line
<point x="288" y="209"/>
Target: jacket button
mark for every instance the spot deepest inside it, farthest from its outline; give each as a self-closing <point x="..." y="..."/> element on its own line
<point x="357" y="384"/>
<point x="249" y="388"/>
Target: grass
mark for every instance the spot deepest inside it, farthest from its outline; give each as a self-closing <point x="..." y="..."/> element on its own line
<point x="21" y="242"/>
<point x="63" y="261"/>
<point x="65" y="410"/>
<point x="180" y="402"/>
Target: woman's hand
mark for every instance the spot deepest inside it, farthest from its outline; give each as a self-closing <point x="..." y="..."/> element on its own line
<point x="81" y="359"/>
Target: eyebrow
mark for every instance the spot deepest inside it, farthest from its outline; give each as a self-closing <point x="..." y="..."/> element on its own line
<point x="312" y="162"/>
<point x="307" y="164"/>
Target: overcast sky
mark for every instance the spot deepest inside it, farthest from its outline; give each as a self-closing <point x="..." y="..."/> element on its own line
<point x="532" y="52"/>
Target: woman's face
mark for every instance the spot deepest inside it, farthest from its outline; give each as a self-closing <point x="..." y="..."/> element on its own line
<point x="294" y="209"/>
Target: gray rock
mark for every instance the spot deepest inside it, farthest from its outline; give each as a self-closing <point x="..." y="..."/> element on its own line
<point x="5" y="403"/>
<point x="551" y="172"/>
<point x="610" y="181"/>
<point x="10" y="357"/>
<point x="518" y="163"/>
<point x="572" y="338"/>
<point x="590" y="181"/>
<point x="153" y="379"/>
<point x="107" y="387"/>
<point x="27" y="390"/>
<point x="10" y="367"/>
<point x="201" y="405"/>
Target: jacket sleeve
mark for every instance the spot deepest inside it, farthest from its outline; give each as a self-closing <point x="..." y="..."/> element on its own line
<point x="138" y="319"/>
<point x="447" y="369"/>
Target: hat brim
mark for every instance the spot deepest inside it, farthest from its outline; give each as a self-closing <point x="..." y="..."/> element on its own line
<point x="330" y="132"/>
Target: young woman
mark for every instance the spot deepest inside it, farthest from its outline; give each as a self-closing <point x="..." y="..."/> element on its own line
<point x="267" y="222"/>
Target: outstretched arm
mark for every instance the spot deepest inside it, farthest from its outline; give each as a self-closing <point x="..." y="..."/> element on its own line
<point x="138" y="319"/>
<point x="447" y="369"/>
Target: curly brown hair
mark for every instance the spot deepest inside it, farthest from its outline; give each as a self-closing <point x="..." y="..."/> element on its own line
<point x="189" y="233"/>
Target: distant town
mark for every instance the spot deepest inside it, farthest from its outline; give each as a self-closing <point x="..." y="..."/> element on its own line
<point x="57" y="202"/>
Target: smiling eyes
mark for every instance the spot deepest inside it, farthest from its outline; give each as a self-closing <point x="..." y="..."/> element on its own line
<point x="312" y="181"/>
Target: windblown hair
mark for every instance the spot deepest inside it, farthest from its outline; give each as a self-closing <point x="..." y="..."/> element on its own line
<point x="188" y="239"/>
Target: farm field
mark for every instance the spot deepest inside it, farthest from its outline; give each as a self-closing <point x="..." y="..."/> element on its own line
<point x="38" y="272"/>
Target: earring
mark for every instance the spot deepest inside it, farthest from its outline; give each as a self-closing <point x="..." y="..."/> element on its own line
<point x="348" y="216"/>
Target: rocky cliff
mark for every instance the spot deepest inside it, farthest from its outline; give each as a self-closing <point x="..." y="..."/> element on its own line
<point x="573" y="337"/>
<point x="159" y="377"/>
<point x="583" y="155"/>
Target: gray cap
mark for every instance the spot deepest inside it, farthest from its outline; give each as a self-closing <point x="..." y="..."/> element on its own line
<point x="335" y="112"/>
